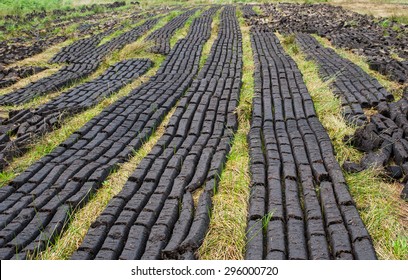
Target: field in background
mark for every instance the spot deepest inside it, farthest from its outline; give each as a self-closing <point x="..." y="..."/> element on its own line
<point x="19" y="7"/>
<point x="384" y="8"/>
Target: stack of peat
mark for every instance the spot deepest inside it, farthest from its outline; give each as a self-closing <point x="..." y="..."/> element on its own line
<point x="384" y="140"/>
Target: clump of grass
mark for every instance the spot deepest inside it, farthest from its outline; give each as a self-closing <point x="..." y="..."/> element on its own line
<point x="214" y="32"/>
<point x="257" y="10"/>
<point x="289" y="42"/>
<point x="44" y="25"/>
<point x="381" y="209"/>
<point x="226" y="238"/>
<point x="400" y="19"/>
<point x="385" y="23"/>
<point x="377" y="201"/>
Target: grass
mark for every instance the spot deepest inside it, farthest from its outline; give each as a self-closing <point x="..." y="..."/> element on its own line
<point x="392" y="9"/>
<point x="91" y="2"/>
<point x="45" y="24"/>
<point x="399" y="18"/>
<point x="226" y="238"/>
<point x="378" y="202"/>
<point x="257" y="10"/>
<point x="383" y="212"/>
<point x="214" y="33"/>
<point x="22" y="7"/>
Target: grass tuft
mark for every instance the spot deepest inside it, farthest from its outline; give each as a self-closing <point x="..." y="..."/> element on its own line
<point x="214" y="33"/>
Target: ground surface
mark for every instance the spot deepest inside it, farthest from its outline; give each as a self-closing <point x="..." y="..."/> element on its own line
<point x="206" y="130"/>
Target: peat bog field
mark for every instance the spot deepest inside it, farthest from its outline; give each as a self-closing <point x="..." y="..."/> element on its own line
<point x="203" y="130"/>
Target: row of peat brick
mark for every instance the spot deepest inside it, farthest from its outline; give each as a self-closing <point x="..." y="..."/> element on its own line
<point x="300" y="206"/>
